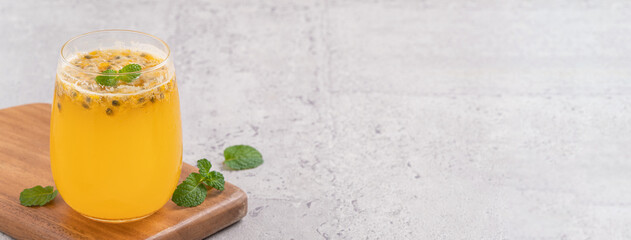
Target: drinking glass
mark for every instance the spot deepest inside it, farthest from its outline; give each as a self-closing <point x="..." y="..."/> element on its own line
<point x="116" y="151"/>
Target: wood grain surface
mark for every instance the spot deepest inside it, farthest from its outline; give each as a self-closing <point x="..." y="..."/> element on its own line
<point x="24" y="163"/>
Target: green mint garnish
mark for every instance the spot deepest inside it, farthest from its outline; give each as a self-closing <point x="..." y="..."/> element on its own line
<point x="192" y="191"/>
<point x="106" y="78"/>
<point x="129" y="68"/>
<point x="37" y="196"/>
<point x="242" y="157"/>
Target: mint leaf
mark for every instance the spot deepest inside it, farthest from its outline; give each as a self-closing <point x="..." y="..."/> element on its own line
<point x="215" y="180"/>
<point x="198" y="177"/>
<point x="132" y="67"/>
<point x="37" y="196"/>
<point x="242" y="157"/>
<point x="191" y="192"/>
<point x="204" y="166"/>
<point x="107" y="79"/>
<point x="129" y="68"/>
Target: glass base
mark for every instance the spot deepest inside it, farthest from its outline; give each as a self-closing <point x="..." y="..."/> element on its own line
<point x="126" y="220"/>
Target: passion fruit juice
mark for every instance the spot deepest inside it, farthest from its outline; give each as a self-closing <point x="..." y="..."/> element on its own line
<point x="116" y="152"/>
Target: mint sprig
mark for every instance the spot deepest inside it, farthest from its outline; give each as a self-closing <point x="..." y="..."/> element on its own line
<point x="108" y="79"/>
<point x="37" y="196"/>
<point x="192" y="191"/>
<point x="240" y="157"/>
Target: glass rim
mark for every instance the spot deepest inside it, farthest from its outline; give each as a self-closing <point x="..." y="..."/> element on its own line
<point x="150" y="69"/>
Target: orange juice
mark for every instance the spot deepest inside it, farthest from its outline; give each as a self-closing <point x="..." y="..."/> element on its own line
<point x="116" y="151"/>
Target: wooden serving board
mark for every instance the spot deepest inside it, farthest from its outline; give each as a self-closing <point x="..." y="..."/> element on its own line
<point x="24" y="163"/>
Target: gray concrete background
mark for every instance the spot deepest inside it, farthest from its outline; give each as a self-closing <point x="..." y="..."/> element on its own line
<point x="384" y="119"/>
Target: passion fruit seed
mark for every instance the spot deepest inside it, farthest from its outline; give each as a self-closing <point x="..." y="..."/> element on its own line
<point x="109" y="111"/>
<point x="115" y="103"/>
<point x="85" y="105"/>
<point x="59" y="106"/>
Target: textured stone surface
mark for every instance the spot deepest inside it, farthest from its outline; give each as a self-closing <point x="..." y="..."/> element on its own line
<point x="385" y="119"/>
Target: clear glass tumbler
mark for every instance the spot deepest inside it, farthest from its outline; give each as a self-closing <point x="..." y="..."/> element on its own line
<point x="115" y="136"/>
